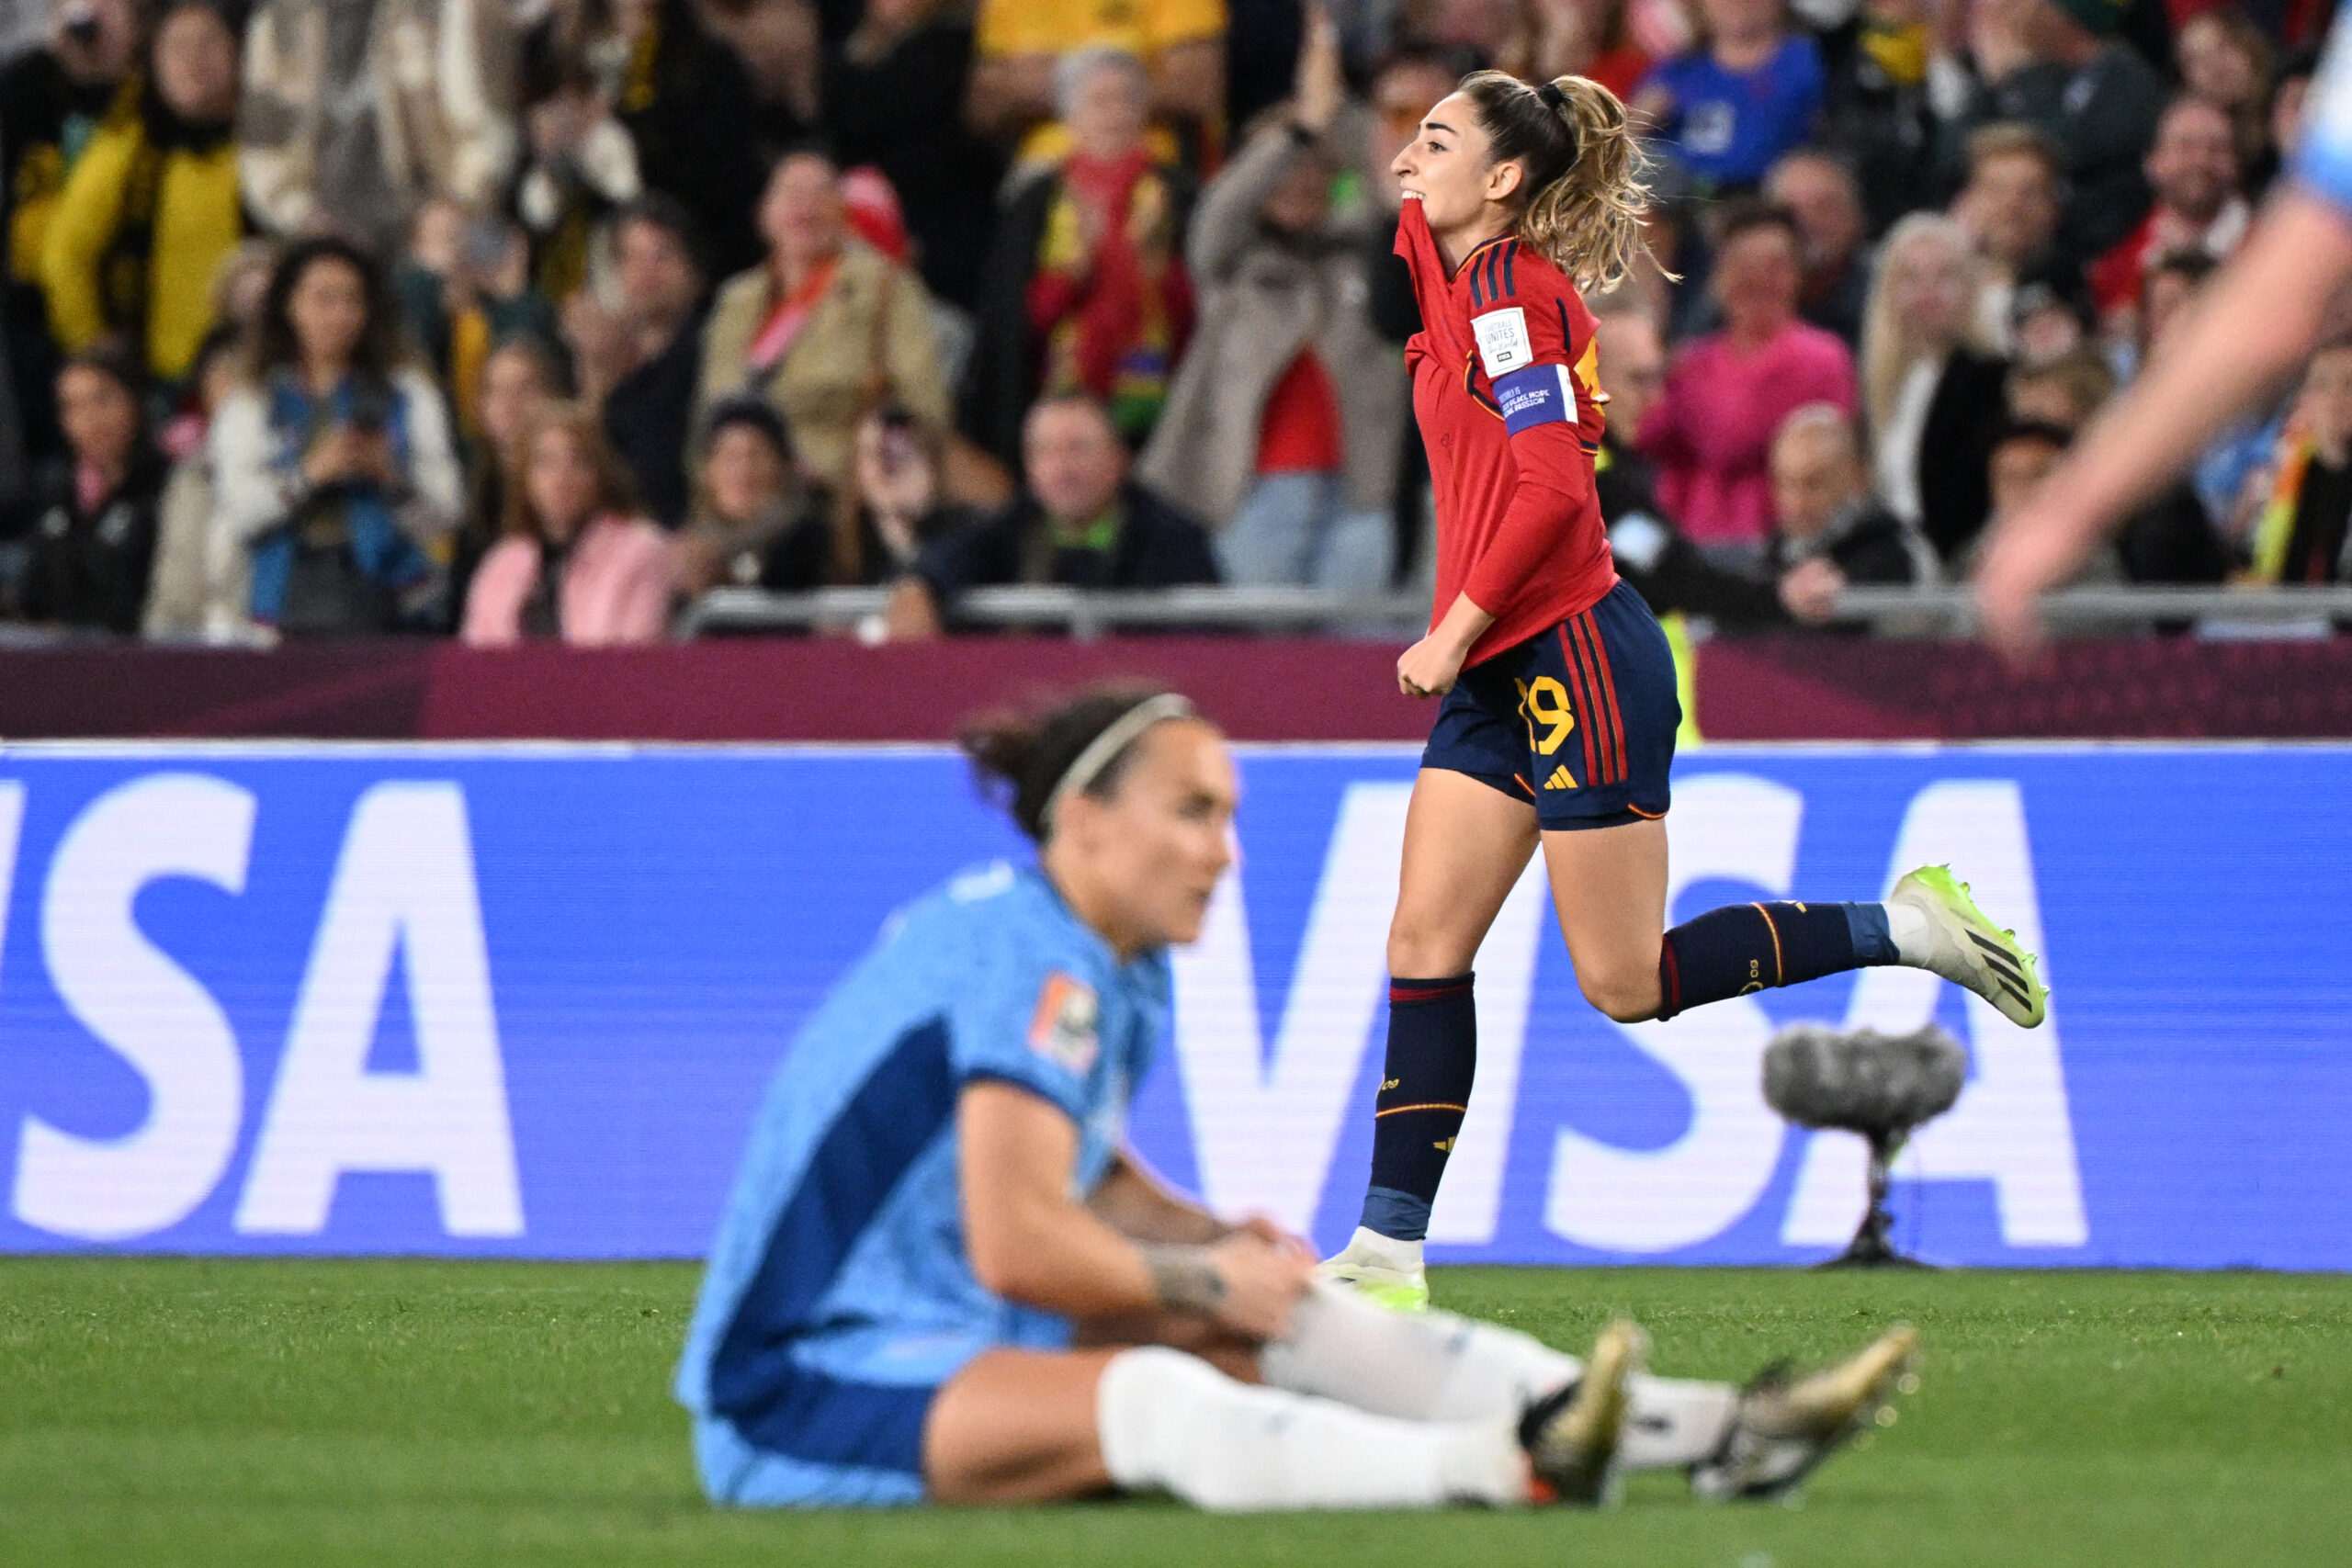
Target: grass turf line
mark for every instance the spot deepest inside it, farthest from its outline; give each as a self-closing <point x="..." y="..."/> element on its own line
<point x="265" y="1412"/>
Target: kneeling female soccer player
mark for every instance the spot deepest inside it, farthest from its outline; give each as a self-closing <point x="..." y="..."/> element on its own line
<point x="941" y="1276"/>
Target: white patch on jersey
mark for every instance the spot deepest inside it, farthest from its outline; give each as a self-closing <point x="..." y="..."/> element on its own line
<point x="1502" y="341"/>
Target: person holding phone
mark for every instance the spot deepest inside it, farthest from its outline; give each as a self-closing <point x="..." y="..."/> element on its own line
<point x="334" y="464"/>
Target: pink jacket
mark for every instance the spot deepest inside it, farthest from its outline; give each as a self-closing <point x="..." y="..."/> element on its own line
<point x="616" y="587"/>
<point x="1710" y="432"/>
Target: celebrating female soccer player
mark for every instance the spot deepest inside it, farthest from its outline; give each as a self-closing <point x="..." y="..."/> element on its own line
<point x="937" y="1209"/>
<point x="1560" y="711"/>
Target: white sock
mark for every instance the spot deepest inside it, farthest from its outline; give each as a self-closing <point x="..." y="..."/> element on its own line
<point x="1172" y="1422"/>
<point x="1908" y="927"/>
<point x="1371" y="1246"/>
<point x="1439" y="1367"/>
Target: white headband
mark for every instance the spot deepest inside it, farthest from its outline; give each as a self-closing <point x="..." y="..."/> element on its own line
<point x="1115" y="738"/>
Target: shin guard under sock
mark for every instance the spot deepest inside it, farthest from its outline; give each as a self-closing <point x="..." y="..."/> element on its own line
<point x="1424" y="1093"/>
<point x="1749" y="947"/>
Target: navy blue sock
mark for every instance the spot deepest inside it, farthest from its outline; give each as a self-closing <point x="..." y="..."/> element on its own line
<point x="1424" y="1093"/>
<point x="1748" y="947"/>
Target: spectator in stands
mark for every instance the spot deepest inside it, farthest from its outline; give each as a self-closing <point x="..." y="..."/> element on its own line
<point x="333" y="464"/>
<point x="2302" y="532"/>
<point x="639" y="360"/>
<point x="1749" y="90"/>
<point x="465" y="284"/>
<point x="197" y="591"/>
<point x="2064" y="392"/>
<point x="2042" y="324"/>
<point x="782" y="45"/>
<point x="2167" y="284"/>
<point x="52" y="100"/>
<point x="2193" y="169"/>
<point x="1669" y="571"/>
<point x="2024" y="451"/>
<point x="898" y="512"/>
<point x="151" y="209"/>
<point x="1083" y="523"/>
<point x="825" y="330"/>
<point x="1932" y="386"/>
<point x="748" y="495"/>
<point x="626" y="96"/>
<point x="519" y="380"/>
<point x="93" y="537"/>
<point x="2011" y="204"/>
<point x="1822" y="509"/>
<point x="884" y="86"/>
<point x="2226" y="59"/>
<point x="1877" y="116"/>
<point x="1820" y="193"/>
<point x="1282" y="427"/>
<point x="355" y="112"/>
<point x="2058" y="65"/>
<point x="1086" y="290"/>
<point x="1596" y="39"/>
<point x="2283" y="123"/>
<point x="1018" y="84"/>
<point x="1728" y="393"/>
<point x="577" y="563"/>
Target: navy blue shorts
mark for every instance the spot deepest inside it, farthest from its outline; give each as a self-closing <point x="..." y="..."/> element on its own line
<point x="1579" y="721"/>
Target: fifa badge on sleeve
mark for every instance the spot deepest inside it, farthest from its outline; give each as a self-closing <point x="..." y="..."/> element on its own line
<point x="1064" y="1028"/>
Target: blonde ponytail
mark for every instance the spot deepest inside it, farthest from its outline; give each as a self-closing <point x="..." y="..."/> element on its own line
<point x="1584" y="170"/>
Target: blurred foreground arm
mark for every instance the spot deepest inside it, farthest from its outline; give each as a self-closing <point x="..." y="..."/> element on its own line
<point x="1032" y="1242"/>
<point x="2256" y="320"/>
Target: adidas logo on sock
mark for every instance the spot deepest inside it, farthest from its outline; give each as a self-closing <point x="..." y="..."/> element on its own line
<point x="1559" y="779"/>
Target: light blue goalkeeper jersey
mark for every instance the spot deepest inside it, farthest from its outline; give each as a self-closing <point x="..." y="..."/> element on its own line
<point x="839" y="1295"/>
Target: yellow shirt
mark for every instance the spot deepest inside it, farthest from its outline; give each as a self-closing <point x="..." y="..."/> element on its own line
<point x="197" y="222"/>
<point x="1142" y="27"/>
<point x="1053" y="26"/>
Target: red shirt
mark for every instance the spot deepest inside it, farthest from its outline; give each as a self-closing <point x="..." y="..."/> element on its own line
<point x="1300" y="430"/>
<point x="1507" y="391"/>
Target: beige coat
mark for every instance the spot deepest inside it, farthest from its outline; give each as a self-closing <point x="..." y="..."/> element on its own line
<point x="874" y="313"/>
<point x="1263" y="300"/>
<point x="438" y="82"/>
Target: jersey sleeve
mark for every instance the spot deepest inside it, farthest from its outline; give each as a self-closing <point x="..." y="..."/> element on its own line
<point x="1528" y="350"/>
<point x="2323" y="161"/>
<point x="1426" y="268"/>
<point x="1034" y="1024"/>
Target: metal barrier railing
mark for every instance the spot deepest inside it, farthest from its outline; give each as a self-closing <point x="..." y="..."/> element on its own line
<point x="1088" y="614"/>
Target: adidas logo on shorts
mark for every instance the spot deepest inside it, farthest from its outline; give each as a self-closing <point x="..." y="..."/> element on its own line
<point x="1559" y="779"/>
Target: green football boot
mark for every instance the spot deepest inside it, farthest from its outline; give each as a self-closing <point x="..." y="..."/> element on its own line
<point x="1969" y="949"/>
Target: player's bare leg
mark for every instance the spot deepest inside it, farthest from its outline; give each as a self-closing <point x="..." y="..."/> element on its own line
<point x="1609" y="888"/>
<point x="1465" y="845"/>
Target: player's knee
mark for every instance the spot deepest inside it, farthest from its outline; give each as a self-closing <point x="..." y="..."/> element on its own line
<point x="1627" y="995"/>
<point x="1419" y="949"/>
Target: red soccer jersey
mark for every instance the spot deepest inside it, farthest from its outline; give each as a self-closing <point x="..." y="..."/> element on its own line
<point x="1508" y="397"/>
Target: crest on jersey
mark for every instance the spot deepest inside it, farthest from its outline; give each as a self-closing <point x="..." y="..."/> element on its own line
<point x="1065" y="1027"/>
<point x="1503" y="345"/>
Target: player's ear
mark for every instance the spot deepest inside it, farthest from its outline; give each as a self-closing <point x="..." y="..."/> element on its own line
<point x="1504" y="178"/>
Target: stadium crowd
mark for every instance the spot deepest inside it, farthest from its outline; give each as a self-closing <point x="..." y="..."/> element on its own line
<point x="514" y="319"/>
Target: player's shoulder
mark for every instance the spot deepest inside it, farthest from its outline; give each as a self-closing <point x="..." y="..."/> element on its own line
<point x="1523" y="310"/>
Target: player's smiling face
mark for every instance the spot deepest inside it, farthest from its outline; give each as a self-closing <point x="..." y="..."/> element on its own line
<point x="1449" y="165"/>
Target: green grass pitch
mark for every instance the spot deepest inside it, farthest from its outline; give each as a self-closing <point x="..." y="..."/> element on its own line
<point x="260" y="1413"/>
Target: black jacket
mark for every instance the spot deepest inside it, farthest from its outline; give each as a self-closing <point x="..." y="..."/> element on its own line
<point x="1158" y="547"/>
<point x="1867" y="542"/>
<point x="1665" y="568"/>
<point x="648" y="415"/>
<point x="1956" y="449"/>
<point x="89" y="568"/>
<point x="903" y="113"/>
<point x="803" y="558"/>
